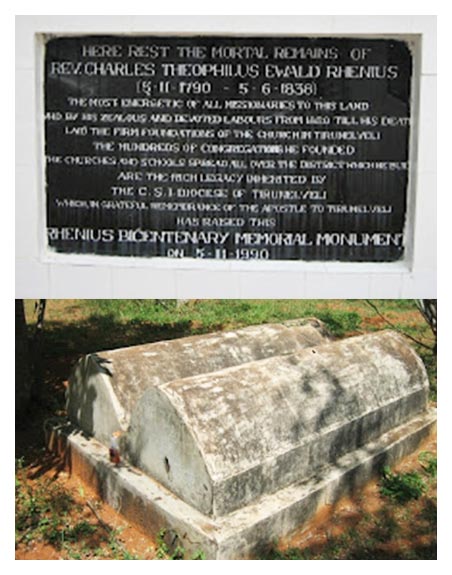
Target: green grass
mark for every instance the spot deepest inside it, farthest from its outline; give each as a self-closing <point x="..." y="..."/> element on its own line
<point x="340" y="315"/>
<point x="126" y="322"/>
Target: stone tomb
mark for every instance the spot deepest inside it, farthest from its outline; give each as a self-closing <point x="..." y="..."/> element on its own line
<point x="232" y="440"/>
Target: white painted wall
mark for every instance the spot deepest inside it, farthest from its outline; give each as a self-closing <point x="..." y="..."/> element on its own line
<point x="40" y="274"/>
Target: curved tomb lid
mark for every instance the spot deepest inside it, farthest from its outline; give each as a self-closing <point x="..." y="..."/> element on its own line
<point x="120" y="377"/>
<point x="238" y="421"/>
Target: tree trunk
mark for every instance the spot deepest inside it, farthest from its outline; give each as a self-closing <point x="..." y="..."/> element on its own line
<point x="36" y="350"/>
<point x="23" y="366"/>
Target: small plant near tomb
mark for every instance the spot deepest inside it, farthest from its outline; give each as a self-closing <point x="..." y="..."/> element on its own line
<point x="402" y="487"/>
<point x="429" y="463"/>
<point x="168" y="551"/>
<point x="172" y="550"/>
<point x="162" y="548"/>
<point x="198" y="555"/>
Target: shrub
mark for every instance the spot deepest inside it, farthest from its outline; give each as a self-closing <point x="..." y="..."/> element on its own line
<point x="402" y="487"/>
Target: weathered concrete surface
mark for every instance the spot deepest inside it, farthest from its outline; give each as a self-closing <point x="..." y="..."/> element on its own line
<point x="105" y="387"/>
<point x="222" y="440"/>
<point x="149" y="505"/>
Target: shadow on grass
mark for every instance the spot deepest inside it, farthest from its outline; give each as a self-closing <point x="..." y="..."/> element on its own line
<point x="62" y="345"/>
<point x="394" y="532"/>
<point x="102" y="332"/>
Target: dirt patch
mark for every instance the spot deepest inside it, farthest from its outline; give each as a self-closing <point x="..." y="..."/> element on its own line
<point x="73" y="523"/>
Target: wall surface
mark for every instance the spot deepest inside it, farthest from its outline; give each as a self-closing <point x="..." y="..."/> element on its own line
<point x="43" y="274"/>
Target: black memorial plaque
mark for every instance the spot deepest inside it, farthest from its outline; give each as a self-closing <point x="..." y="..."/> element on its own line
<point x="276" y="148"/>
